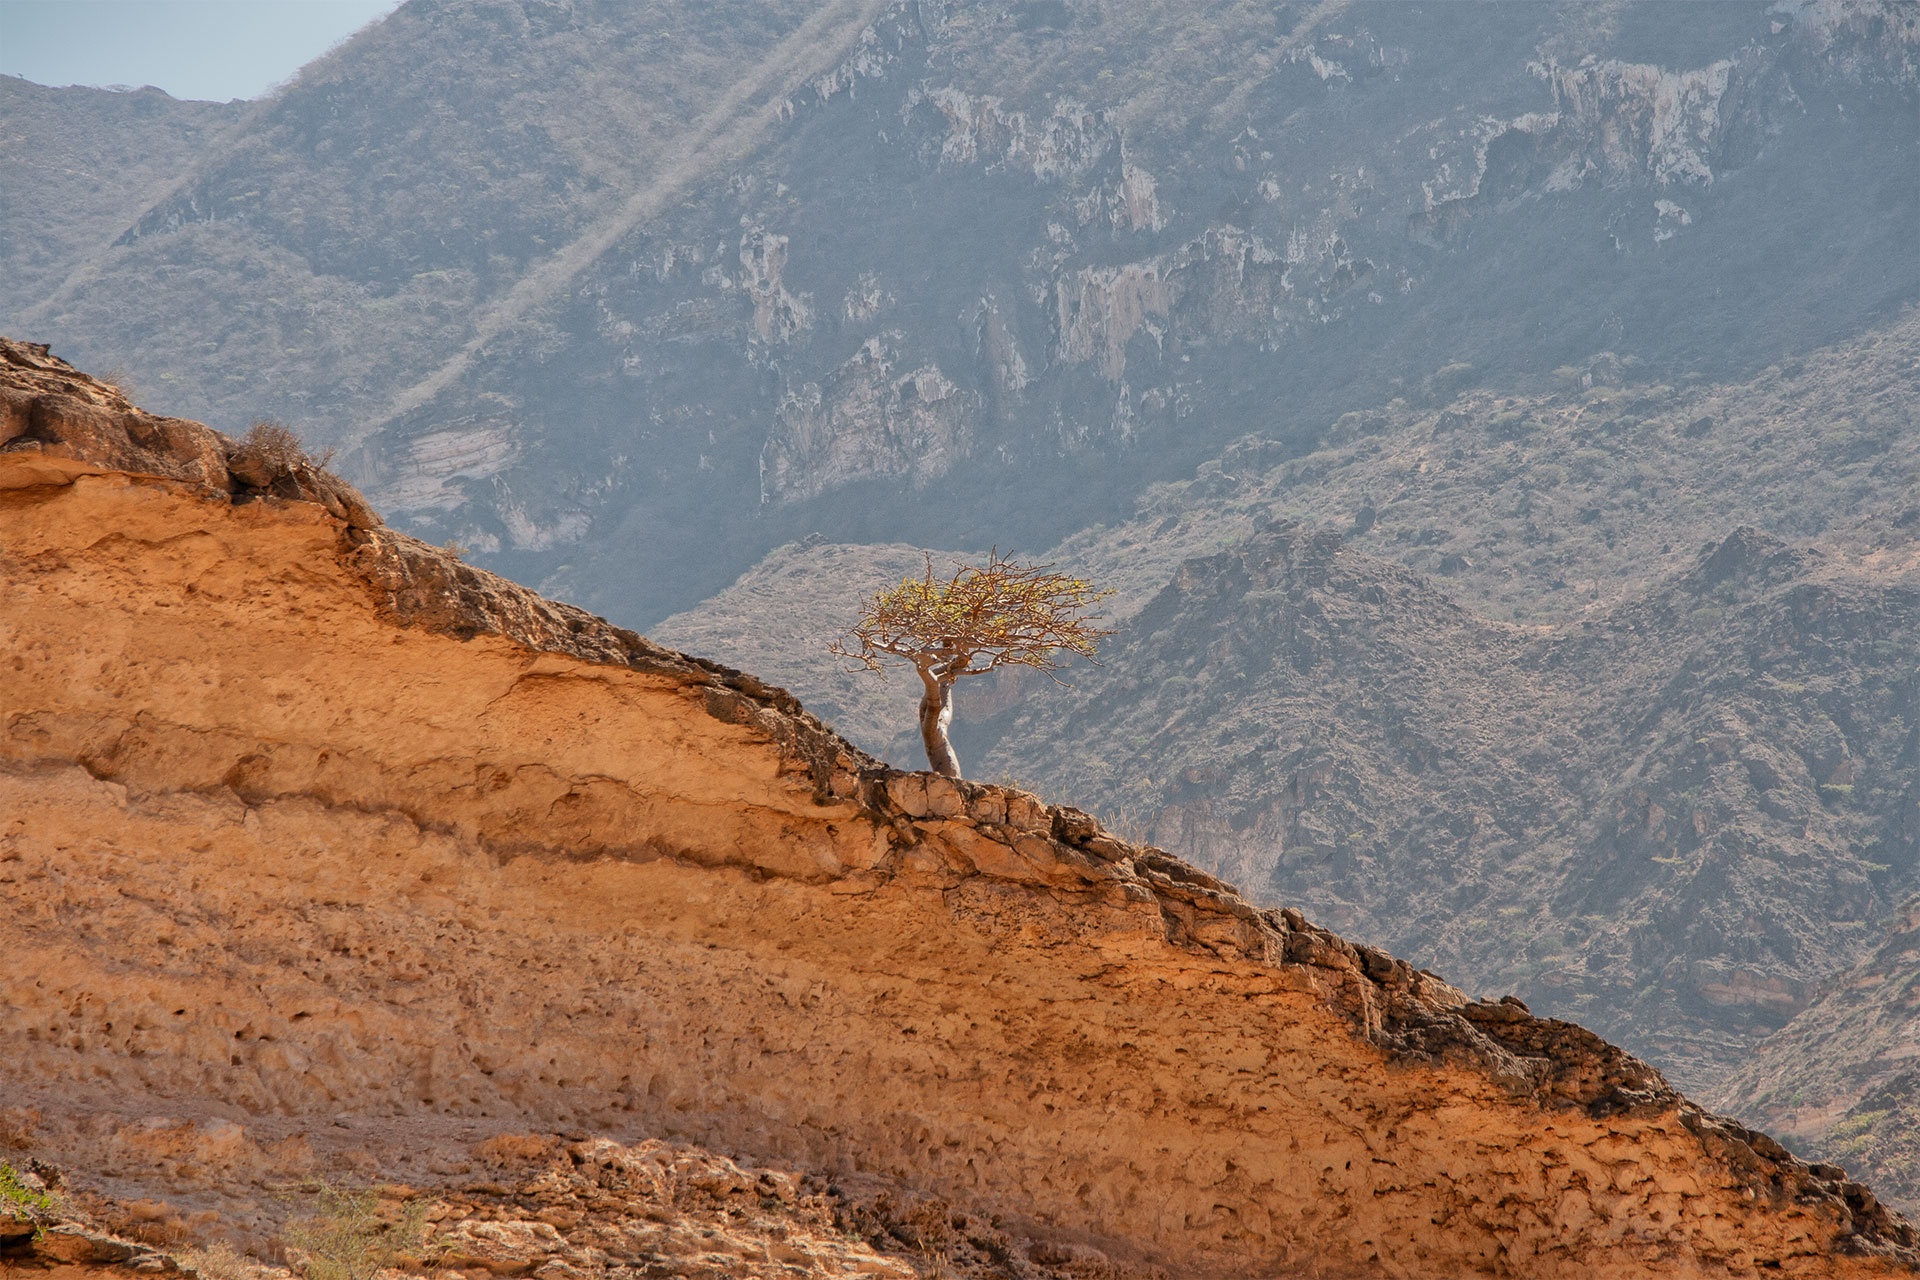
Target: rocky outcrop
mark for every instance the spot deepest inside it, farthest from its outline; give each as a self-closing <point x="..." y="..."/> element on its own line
<point x="308" y="820"/>
<point x="1226" y="283"/>
<point x="57" y="425"/>
<point x="1651" y="818"/>
<point x="778" y="316"/>
<point x="869" y="420"/>
<point x="518" y="1204"/>
<point x="982" y="130"/>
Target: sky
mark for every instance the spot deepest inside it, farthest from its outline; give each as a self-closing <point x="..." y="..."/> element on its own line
<point x="210" y="49"/>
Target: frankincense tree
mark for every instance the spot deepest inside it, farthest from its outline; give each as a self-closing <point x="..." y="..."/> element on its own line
<point x="1000" y="614"/>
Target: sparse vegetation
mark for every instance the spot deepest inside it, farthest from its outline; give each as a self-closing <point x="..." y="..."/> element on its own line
<point x="983" y="618"/>
<point x="217" y="1261"/>
<point x="279" y="449"/>
<point x="348" y="1233"/>
<point x="25" y="1197"/>
<point x="118" y="380"/>
<point x="1129" y="821"/>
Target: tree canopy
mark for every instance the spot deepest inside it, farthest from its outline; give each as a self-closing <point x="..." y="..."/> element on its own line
<point x="983" y="617"/>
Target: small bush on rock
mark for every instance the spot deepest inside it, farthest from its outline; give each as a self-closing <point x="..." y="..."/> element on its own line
<point x="270" y="450"/>
<point x="346" y="1236"/>
<point x="25" y="1198"/>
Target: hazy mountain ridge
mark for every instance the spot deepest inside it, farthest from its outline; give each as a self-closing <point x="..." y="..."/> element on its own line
<point x="1071" y="374"/>
<point x="990" y="270"/>
<point x="1537" y="507"/>
<point x="1531" y="507"/>
<point x="97" y="156"/>
<point x="400" y="189"/>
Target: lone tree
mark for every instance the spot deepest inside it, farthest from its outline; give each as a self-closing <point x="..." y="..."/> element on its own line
<point x="1000" y="614"/>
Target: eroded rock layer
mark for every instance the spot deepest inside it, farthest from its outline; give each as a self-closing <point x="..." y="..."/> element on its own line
<point x="300" y="818"/>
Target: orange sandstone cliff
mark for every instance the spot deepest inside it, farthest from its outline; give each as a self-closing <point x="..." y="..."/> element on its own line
<point x="308" y="829"/>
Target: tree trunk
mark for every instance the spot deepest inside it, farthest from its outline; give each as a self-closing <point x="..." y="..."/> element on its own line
<point x="936" y="714"/>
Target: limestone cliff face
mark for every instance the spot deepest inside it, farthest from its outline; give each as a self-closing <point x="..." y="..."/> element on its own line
<point x="868" y="420"/>
<point x="302" y="819"/>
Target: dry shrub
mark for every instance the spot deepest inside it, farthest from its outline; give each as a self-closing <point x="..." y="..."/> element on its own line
<point x="164" y="1233"/>
<point x="1128" y="820"/>
<point x="280" y="448"/>
<point x="347" y="1234"/>
<point x="927" y="1227"/>
<point x="117" y="381"/>
<point x="218" y="1261"/>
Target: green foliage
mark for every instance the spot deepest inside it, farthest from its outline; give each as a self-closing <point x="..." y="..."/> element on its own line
<point x="345" y="1235"/>
<point x="985" y="616"/>
<point x="1856" y="1125"/>
<point x="24" y="1198"/>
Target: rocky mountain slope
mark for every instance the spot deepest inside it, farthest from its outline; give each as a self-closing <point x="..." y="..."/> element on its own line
<point x="1672" y="802"/>
<point x="423" y="174"/>
<point x="311" y="824"/>
<point x="1670" y="819"/>
<point x="1535" y="302"/>
<point x="1844" y="1076"/>
<point x="1543" y="506"/>
<point x="1532" y="507"/>
<point x="81" y="165"/>
<point x="686" y="283"/>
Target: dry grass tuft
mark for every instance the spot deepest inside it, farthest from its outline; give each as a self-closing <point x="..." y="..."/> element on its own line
<point x="348" y="1234"/>
<point x="218" y="1261"/>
